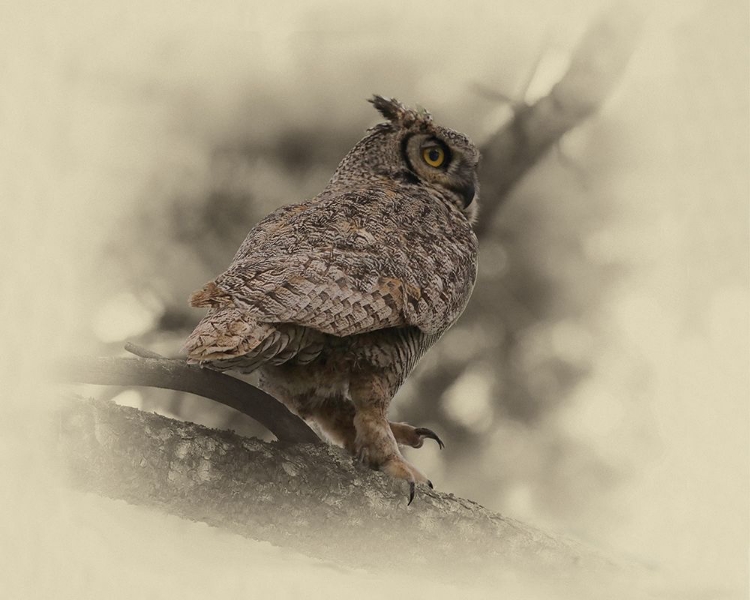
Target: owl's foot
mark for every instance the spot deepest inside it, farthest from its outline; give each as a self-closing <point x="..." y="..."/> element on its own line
<point x="376" y="446"/>
<point x="406" y="435"/>
<point x="398" y="468"/>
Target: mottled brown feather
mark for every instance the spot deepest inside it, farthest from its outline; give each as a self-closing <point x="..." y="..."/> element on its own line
<point x="336" y="298"/>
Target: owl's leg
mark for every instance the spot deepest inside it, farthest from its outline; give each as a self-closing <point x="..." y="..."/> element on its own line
<point x="406" y="435"/>
<point x="335" y="416"/>
<point x="375" y="442"/>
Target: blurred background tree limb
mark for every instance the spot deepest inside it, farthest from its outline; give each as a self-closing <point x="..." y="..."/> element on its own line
<point x="595" y="68"/>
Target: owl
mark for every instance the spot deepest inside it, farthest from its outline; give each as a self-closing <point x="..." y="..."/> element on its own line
<point x="335" y="299"/>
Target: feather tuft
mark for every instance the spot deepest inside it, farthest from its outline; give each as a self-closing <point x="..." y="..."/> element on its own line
<point x="397" y="113"/>
<point x="210" y="296"/>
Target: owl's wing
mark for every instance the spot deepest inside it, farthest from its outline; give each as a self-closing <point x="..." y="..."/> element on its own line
<point x="311" y="292"/>
<point x="338" y="267"/>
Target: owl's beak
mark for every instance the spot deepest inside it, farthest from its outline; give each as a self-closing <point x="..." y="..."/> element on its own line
<point x="468" y="192"/>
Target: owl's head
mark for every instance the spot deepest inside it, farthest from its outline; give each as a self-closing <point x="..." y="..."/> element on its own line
<point x="410" y="148"/>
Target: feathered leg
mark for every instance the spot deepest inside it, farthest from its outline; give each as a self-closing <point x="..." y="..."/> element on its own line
<point x="335" y="417"/>
<point x="375" y="442"/>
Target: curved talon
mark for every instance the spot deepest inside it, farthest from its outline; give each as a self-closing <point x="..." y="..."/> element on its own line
<point x="411" y="492"/>
<point x="429" y="483"/>
<point x="363" y="456"/>
<point x="429" y="433"/>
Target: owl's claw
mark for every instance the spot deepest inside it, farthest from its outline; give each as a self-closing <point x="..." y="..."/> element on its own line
<point x="423" y="432"/>
<point x="376" y="444"/>
<point x="406" y="435"/>
<point x="412" y="488"/>
<point x="398" y="468"/>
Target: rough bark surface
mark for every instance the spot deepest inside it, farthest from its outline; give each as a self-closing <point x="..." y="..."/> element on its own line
<point x="309" y="497"/>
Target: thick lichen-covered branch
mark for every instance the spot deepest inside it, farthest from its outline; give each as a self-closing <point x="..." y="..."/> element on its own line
<point x="309" y="497"/>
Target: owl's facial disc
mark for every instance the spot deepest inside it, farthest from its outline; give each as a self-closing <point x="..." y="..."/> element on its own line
<point x="449" y="167"/>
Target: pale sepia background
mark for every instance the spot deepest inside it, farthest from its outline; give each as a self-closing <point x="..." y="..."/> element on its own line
<point x="599" y="381"/>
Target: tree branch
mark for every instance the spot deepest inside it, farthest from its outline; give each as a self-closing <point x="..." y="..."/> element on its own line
<point x="173" y="374"/>
<point x="596" y="67"/>
<point x="310" y="497"/>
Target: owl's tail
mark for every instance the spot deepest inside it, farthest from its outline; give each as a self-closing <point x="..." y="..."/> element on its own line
<point x="231" y="338"/>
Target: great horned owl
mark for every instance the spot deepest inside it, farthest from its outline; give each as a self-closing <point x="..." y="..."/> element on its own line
<point x="335" y="299"/>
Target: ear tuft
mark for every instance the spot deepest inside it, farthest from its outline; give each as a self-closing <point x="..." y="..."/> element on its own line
<point x="390" y="108"/>
<point x="398" y="114"/>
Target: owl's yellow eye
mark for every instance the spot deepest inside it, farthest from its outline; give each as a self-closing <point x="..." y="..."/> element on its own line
<point x="433" y="155"/>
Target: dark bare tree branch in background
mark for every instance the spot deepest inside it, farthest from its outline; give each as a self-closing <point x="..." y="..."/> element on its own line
<point x="174" y="374"/>
<point x="596" y="66"/>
